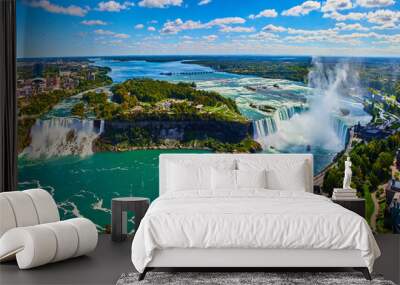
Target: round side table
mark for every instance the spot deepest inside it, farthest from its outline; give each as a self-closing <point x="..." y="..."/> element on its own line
<point x="119" y="208"/>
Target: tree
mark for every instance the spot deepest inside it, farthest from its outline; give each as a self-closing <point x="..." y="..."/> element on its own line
<point x="371" y="164"/>
<point x="78" y="110"/>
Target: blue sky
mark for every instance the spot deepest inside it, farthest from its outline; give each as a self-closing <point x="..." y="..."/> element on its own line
<point x="292" y="27"/>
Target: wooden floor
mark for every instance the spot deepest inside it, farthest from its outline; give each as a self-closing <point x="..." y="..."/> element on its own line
<point x="110" y="260"/>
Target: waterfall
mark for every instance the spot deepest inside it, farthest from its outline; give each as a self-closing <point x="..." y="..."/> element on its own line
<point x="341" y="130"/>
<point x="63" y="136"/>
<point x="264" y="127"/>
<point x="270" y="124"/>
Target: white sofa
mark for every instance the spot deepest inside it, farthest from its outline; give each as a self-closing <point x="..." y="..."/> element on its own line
<point x="31" y="231"/>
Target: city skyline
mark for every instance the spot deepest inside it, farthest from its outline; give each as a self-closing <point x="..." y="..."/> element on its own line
<point x="187" y="27"/>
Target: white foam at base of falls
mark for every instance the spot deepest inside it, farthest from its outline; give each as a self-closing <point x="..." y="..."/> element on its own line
<point x="61" y="137"/>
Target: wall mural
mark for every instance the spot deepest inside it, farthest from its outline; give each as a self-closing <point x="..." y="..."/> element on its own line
<point x="104" y="87"/>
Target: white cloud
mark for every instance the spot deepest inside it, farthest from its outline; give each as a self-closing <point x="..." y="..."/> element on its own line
<point x="139" y="26"/>
<point x="111" y="42"/>
<point x="375" y="3"/>
<point x="353" y="16"/>
<point x="71" y="10"/>
<point x="94" y="23"/>
<point x="273" y="28"/>
<point x="302" y="9"/>
<point x="103" y="32"/>
<point x="113" y="6"/>
<point x="159" y="3"/>
<point x="333" y="36"/>
<point x="335" y="5"/>
<point x="267" y="13"/>
<point x="174" y="27"/>
<point x="116" y="42"/>
<point x="210" y="38"/>
<point x="204" y="2"/>
<point x="121" y="36"/>
<point x="226" y="21"/>
<point x="188" y="42"/>
<point x="229" y="29"/>
<point x="384" y="17"/>
<point x="387" y="26"/>
<point x="350" y="27"/>
<point x="110" y="33"/>
<point x="328" y="37"/>
<point x="153" y="22"/>
<point x="328" y="32"/>
<point x="151" y="29"/>
<point x="264" y="36"/>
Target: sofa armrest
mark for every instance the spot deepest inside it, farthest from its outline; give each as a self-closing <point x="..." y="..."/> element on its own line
<point x="32" y="246"/>
<point x="41" y="244"/>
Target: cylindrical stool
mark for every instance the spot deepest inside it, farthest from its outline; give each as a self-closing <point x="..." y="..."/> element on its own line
<point x="119" y="207"/>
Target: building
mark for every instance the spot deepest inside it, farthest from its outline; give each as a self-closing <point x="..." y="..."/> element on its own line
<point x="393" y="204"/>
<point x="392" y="188"/>
<point x="65" y="73"/>
<point x="371" y="132"/>
<point x="70" y="83"/>
<point x="394" y="210"/>
<point x="24" y="91"/>
<point x="91" y="75"/>
<point x="53" y="83"/>
<point x="38" y="85"/>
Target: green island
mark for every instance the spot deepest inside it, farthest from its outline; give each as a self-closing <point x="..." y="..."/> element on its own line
<point x="153" y="114"/>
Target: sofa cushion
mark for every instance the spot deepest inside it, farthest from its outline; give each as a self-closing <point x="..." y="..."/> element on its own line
<point x="7" y="220"/>
<point x="45" y="205"/>
<point x="23" y="208"/>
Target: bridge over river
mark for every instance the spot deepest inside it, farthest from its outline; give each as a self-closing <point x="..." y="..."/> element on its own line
<point x="186" y="73"/>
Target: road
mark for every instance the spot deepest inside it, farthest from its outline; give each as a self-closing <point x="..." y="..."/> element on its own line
<point x="375" y="214"/>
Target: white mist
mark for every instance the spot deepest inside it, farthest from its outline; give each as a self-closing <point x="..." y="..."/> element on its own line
<point x="320" y="125"/>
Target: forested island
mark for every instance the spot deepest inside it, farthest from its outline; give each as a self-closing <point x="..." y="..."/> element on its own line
<point x="152" y="114"/>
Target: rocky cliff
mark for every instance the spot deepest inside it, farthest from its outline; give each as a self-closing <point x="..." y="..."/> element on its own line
<point x="183" y="131"/>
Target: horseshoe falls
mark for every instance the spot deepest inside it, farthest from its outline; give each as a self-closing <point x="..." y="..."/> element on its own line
<point x="271" y="124"/>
